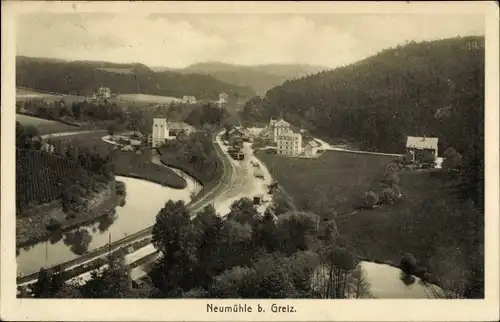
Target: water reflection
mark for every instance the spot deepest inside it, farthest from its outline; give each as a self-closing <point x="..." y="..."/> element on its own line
<point x="55" y="237"/>
<point x="78" y="241"/>
<point x="106" y="221"/>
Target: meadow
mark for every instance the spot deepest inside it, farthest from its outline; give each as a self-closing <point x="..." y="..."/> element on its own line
<point x="335" y="180"/>
<point x="146" y="98"/>
<point x="23" y="94"/>
<point x="45" y="126"/>
<point x="444" y="233"/>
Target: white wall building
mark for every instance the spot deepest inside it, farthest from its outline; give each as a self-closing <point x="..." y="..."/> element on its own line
<point x="160" y="132"/>
<point x="223" y="97"/>
<point x="289" y="144"/>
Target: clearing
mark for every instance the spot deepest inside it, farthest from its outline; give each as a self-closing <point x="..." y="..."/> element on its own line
<point x="334" y="180"/>
<point x="45" y="126"/>
<point x="146" y="98"/>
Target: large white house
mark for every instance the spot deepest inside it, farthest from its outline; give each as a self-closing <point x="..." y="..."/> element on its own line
<point x="289" y="144"/>
<point x="311" y="148"/>
<point x="223" y="97"/>
<point x="422" y="147"/>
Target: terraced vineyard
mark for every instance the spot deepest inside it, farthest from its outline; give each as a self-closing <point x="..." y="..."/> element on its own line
<point x="42" y="177"/>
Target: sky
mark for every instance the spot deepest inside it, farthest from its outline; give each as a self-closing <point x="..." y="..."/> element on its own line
<point x="176" y="41"/>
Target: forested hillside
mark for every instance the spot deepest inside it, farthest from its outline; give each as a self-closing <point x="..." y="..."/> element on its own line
<point x="431" y="88"/>
<point x="259" y="77"/>
<point x="83" y="78"/>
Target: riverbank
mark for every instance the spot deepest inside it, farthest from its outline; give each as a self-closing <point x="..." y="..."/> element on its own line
<point x="33" y="229"/>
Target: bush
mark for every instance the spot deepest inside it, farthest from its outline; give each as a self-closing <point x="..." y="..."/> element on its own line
<point x="370" y="199"/>
<point x="408" y="264"/>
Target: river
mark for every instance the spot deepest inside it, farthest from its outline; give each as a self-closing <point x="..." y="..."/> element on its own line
<point x="143" y="202"/>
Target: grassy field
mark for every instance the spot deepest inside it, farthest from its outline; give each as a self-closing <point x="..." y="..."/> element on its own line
<point x="444" y="234"/>
<point x="128" y="163"/>
<point x="25" y="94"/>
<point x="45" y="126"/>
<point x="146" y="98"/>
<point x="334" y="180"/>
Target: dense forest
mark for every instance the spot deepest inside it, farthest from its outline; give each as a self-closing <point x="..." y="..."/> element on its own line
<point x="433" y="88"/>
<point x="83" y="78"/>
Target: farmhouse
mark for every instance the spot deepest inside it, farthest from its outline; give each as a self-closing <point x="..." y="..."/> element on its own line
<point x="189" y="99"/>
<point x="289" y="144"/>
<point x="422" y="148"/>
<point x="103" y="93"/>
<point x="311" y="148"/>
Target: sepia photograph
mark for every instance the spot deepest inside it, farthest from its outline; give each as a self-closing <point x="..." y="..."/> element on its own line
<point x="246" y="155"/>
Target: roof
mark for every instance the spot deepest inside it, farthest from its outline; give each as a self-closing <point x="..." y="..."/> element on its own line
<point x="418" y="142"/>
<point x="282" y="123"/>
<point x="178" y="126"/>
<point x="313" y="143"/>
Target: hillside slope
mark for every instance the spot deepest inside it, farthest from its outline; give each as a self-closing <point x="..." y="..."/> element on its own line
<point x="84" y="77"/>
<point x="431" y="88"/>
<point x="259" y="77"/>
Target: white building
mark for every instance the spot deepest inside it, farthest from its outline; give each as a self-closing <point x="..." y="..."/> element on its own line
<point x="223" y="97"/>
<point x="160" y="132"/>
<point x="311" y="148"/>
<point x="189" y="99"/>
<point x="289" y="144"/>
<point x="419" y="147"/>
<point x="103" y="93"/>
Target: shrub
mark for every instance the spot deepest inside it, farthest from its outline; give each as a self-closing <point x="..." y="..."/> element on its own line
<point x="370" y="199"/>
<point x="408" y="264"/>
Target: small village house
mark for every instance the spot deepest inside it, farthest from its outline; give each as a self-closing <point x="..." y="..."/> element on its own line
<point x="422" y="148"/>
<point x="189" y="99"/>
<point x="311" y="148"/>
<point x="289" y="144"/>
<point x="103" y="93"/>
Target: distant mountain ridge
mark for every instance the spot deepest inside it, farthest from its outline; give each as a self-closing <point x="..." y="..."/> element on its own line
<point x="84" y="77"/>
<point x="259" y="77"/>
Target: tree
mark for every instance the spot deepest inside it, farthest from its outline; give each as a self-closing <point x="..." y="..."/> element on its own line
<point x="264" y="233"/>
<point x="207" y="236"/>
<point x="243" y="211"/>
<point x="43" y="285"/>
<point x="173" y="237"/>
<point x="338" y="263"/>
<point x="452" y="159"/>
<point x="408" y="264"/>
<point x="113" y="282"/>
<point x="233" y="283"/>
<point x="295" y="230"/>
